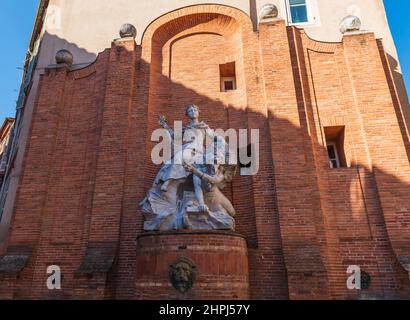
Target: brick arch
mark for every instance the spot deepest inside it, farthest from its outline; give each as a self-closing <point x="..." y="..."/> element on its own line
<point x="229" y="26"/>
<point x="215" y="32"/>
<point x="182" y="53"/>
<point x="173" y="22"/>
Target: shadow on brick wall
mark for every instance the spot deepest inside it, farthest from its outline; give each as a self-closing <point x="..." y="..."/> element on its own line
<point x="89" y="156"/>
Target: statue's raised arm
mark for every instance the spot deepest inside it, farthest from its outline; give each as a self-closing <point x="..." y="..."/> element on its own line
<point x="163" y="123"/>
<point x="186" y="193"/>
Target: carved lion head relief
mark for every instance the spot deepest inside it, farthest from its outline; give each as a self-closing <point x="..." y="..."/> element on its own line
<point x="183" y="274"/>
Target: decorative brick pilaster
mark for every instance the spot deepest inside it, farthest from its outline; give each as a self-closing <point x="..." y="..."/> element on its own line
<point x="384" y="139"/>
<point x="111" y="160"/>
<point x="29" y="217"/>
<point x="267" y="260"/>
<point x="291" y="151"/>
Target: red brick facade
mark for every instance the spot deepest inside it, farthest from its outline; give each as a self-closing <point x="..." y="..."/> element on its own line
<point x="87" y="165"/>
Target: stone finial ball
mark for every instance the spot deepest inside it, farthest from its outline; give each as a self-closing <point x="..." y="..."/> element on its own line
<point x="64" y="57"/>
<point x="349" y="24"/>
<point x="269" y="11"/>
<point x="128" y="30"/>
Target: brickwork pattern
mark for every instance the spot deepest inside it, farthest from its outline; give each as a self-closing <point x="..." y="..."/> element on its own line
<point x="87" y="165"/>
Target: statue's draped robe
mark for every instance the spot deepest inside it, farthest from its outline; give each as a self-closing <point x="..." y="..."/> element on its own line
<point x="167" y="210"/>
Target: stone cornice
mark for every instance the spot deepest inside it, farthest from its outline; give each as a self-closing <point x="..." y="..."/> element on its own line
<point x="38" y="25"/>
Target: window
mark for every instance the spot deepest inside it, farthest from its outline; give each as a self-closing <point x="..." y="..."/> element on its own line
<point x="335" y="139"/>
<point x="3" y="165"/>
<point x="228" y="84"/>
<point x="298" y="11"/>
<point x="333" y="155"/>
<point x="3" y="195"/>
<point x="3" y="162"/>
<point x="228" y="76"/>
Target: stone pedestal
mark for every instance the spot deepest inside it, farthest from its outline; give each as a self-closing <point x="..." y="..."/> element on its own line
<point x="219" y="265"/>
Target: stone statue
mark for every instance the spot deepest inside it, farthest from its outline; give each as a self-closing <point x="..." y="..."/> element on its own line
<point x="187" y="190"/>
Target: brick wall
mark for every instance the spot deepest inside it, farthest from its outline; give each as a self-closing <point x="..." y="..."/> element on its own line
<point x="221" y="265"/>
<point x="87" y="164"/>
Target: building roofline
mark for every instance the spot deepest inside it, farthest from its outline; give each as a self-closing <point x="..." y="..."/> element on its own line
<point x="6" y="124"/>
<point x="38" y="25"/>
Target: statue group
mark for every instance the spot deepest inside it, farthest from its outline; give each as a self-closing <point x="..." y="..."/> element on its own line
<point x="186" y="193"/>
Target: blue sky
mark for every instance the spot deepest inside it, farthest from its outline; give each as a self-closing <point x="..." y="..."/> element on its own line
<point x="16" y="22"/>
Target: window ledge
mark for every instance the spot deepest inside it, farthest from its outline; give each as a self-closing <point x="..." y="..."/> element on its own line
<point x="302" y="24"/>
